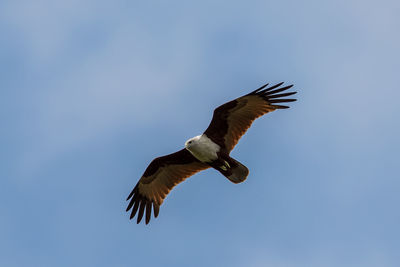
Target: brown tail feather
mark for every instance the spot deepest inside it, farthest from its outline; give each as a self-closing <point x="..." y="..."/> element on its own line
<point x="235" y="171"/>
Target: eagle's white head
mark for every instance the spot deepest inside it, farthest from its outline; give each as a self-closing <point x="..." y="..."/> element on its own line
<point x="203" y="148"/>
<point x="192" y="142"/>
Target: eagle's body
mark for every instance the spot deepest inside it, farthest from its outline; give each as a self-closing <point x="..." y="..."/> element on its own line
<point x="210" y="153"/>
<point x="211" y="149"/>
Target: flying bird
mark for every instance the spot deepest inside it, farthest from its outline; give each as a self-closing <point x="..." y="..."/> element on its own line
<point x="211" y="149"/>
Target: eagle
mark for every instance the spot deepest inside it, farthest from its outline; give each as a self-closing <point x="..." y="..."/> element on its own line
<point x="209" y="150"/>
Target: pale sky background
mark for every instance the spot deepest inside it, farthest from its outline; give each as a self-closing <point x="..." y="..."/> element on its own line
<point x="92" y="91"/>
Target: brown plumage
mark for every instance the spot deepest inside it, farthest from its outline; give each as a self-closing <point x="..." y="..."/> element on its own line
<point x="160" y="177"/>
<point x="230" y="121"/>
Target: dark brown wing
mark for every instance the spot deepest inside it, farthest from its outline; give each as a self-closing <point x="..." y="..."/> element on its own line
<point x="231" y="120"/>
<point x="160" y="177"/>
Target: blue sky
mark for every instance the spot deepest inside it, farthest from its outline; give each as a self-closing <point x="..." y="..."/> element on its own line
<point x="92" y="91"/>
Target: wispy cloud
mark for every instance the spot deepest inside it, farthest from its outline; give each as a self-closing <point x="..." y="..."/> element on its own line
<point x="79" y="74"/>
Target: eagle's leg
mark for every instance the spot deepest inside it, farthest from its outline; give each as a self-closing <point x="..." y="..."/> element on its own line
<point x="225" y="166"/>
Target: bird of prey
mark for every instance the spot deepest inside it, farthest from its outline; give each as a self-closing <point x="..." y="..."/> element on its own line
<point x="211" y="149"/>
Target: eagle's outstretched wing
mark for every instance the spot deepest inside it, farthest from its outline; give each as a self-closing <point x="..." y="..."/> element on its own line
<point x="160" y="177"/>
<point x="231" y="120"/>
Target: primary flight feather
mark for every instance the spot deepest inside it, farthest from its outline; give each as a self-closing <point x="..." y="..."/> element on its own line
<point x="211" y="149"/>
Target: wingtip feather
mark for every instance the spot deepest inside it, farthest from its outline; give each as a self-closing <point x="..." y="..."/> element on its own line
<point x="281" y="100"/>
<point x="148" y="211"/>
<point x="280" y="106"/>
<point x="281" y="95"/>
<point x="272" y="87"/>
<point x="141" y="211"/>
<point x="156" y="209"/>
<point x="132" y="192"/>
<point x="130" y="195"/>
<point x="134" y="210"/>
<point x="128" y="208"/>
<point x="258" y="89"/>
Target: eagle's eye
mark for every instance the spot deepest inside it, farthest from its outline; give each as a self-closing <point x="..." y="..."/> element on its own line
<point x="190" y="142"/>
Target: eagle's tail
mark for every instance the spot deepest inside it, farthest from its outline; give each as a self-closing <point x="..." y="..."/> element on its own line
<point x="232" y="169"/>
